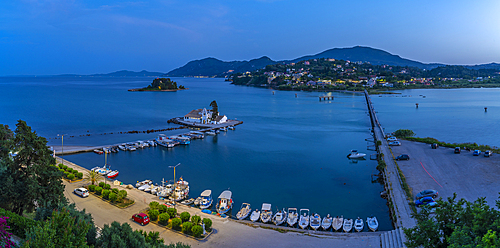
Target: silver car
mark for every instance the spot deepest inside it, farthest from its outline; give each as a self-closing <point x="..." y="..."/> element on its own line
<point x="395" y="143"/>
<point x="83" y="192"/>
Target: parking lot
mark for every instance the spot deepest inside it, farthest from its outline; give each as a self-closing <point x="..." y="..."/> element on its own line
<point x="469" y="176"/>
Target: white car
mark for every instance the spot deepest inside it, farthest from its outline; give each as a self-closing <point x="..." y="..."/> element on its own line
<point x="83" y="192"/>
<point x="392" y="139"/>
<point x="395" y="143"/>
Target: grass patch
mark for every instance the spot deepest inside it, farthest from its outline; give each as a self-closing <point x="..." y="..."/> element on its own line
<point x="471" y="146"/>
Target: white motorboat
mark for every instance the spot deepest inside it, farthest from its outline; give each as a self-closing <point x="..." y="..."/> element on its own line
<point x="206" y="199"/>
<point x="210" y="133"/>
<point x="347" y="225"/>
<point x="266" y="213"/>
<point x="112" y="174"/>
<point x="359" y="225"/>
<point x="197" y="201"/>
<point x="156" y="189"/>
<point x="145" y="187"/>
<point x="372" y="223"/>
<point x="151" y="189"/>
<point x="304" y="218"/>
<point x="225" y="202"/>
<point x="188" y="201"/>
<point x="224" y="129"/>
<point x="327" y="222"/>
<point x="337" y="223"/>
<point x="292" y="216"/>
<point x="356" y="154"/>
<point x="255" y="215"/>
<point x="244" y="211"/>
<point x="279" y="217"/>
<point x="180" y="191"/>
<point x="122" y="147"/>
<point x="165" y="191"/>
<point x="315" y="221"/>
<point x="139" y="184"/>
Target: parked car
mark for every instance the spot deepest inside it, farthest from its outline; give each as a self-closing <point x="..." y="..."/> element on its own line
<point x="425" y="201"/>
<point x="403" y="157"/>
<point x="141" y="218"/>
<point x="434" y="146"/>
<point x="83" y="192"/>
<point x="476" y="153"/>
<point x="395" y="143"/>
<point x="427" y="193"/>
<point x="392" y="139"/>
<point x="457" y="149"/>
<point x="488" y="153"/>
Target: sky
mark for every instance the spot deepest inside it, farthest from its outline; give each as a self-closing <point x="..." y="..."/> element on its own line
<point x="50" y="37"/>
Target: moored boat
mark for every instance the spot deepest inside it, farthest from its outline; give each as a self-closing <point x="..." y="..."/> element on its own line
<point x="112" y="174"/>
<point x="225" y="202"/>
<point x="372" y="223"/>
<point x="315" y="221"/>
<point x="244" y="211"/>
<point x="255" y="215"/>
<point x="98" y="151"/>
<point x="180" y="191"/>
<point x="304" y="218"/>
<point x="266" y="213"/>
<point x="292" y="216"/>
<point x="359" y="225"/>
<point x="337" y="223"/>
<point x="356" y="154"/>
<point x="279" y="217"/>
<point x="231" y="128"/>
<point x="206" y="199"/>
<point x="347" y="225"/>
<point x="139" y="184"/>
<point x="210" y="133"/>
<point x="188" y="201"/>
<point x="327" y="222"/>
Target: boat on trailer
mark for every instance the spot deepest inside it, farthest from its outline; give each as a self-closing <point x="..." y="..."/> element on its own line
<point x="244" y="211"/>
<point x="304" y="218"/>
<point x="292" y="216"/>
<point x="266" y="213"/>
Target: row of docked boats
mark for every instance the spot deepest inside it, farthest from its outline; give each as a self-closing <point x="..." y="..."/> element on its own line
<point x="179" y="191"/>
<point x="304" y="219"/>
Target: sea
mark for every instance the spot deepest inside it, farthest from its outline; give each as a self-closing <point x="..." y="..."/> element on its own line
<point x="290" y="150"/>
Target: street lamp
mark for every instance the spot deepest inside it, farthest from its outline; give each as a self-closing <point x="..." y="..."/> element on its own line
<point x="62" y="147"/>
<point x="172" y="166"/>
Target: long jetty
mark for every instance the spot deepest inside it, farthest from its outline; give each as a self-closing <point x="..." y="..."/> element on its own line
<point x="401" y="209"/>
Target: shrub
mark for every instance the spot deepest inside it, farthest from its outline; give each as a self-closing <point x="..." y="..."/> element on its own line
<point x="92" y="188"/>
<point x="75" y="172"/>
<point x="115" y="190"/>
<point x="68" y="169"/>
<point x="65" y="167"/>
<point x="186" y="227"/>
<point x="71" y="176"/>
<point x="105" y="194"/>
<point x="112" y="197"/>
<point x="381" y="165"/>
<point x="196" y="219"/>
<point x="101" y="184"/>
<point x="403" y="133"/>
<point x="107" y="186"/>
<point x="208" y="223"/>
<point x="172" y="212"/>
<point x="79" y="175"/>
<point x="163" y="218"/>
<point x="98" y="190"/>
<point x="61" y="166"/>
<point x="176" y="223"/>
<point x="153" y="214"/>
<point x="154" y="205"/>
<point x="19" y="225"/>
<point x="122" y="193"/>
<point x="197" y="230"/>
<point x="185" y="216"/>
<point x="162" y="208"/>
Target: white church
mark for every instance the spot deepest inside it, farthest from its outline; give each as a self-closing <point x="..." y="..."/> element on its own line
<point x="204" y="116"/>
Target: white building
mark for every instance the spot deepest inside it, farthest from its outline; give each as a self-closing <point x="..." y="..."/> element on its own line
<point x="204" y="116"/>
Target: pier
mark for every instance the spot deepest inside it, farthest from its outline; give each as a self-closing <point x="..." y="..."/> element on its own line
<point x="401" y="209"/>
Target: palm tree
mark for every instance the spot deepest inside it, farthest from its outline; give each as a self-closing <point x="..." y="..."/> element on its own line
<point x="93" y="177"/>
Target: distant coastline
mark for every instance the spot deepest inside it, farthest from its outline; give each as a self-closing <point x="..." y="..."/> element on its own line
<point x="154" y="90"/>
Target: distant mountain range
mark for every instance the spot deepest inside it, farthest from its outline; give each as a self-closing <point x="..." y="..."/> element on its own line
<point x="214" y="67"/>
<point x="122" y="73"/>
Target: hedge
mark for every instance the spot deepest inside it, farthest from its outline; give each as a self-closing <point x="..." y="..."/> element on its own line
<point x="18" y="224"/>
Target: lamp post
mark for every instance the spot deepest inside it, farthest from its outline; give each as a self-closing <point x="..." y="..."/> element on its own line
<point x="62" y="147"/>
<point x="173" y="166"/>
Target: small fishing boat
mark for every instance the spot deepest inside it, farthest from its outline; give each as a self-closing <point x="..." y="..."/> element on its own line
<point x="255" y="215"/>
<point x="327" y="222"/>
<point x="181" y="139"/>
<point x="279" y="217"/>
<point x="106" y="150"/>
<point x="356" y="154"/>
<point x="372" y="223"/>
<point x="337" y="223"/>
<point x="231" y="128"/>
<point x="210" y="133"/>
<point x="139" y="184"/>
<point x="145" y="187"/>
<point x="304" y="218"/>
<point x="197" y="201"/>
<point x="188" y="201"/>
<point x="98" y="151"/>
<point x="206" y="199"/>
<point x="347" y="225"/>
<point x="359" y="225"/>
<point x="165" y="191"/>
<point x="180" y="191"/>
<point x="225" y="202"/>
<point x="122" y="147"/>
<point x="112" y="174"/>
<point x="224" y="129"/>
<point x="244" y="211"/>
<point x="266" y="214"/>
<point x="315" y="220"/>
<point x="292" y="216"/>
<point x="156" y="189"/>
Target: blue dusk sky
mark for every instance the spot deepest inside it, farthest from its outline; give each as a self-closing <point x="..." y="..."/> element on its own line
<point x="90" y="36"/>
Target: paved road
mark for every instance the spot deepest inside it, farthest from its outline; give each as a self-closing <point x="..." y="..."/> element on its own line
<point x="467" y="175"/>
<point x="228" y="233"/>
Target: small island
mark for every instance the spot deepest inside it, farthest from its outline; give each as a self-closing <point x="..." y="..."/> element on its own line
<point x="161" y="84"/>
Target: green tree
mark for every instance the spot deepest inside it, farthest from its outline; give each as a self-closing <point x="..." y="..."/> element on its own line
<point x="196" y="219"/>
<point x="404" y="133"/>
<point x="26" y="174"/>
<point x="186" y="227"/>
<point x="176" y="223"/>
<point x="93" y="177"/>
<point x="208" y="223"/>
<point x="215" y="110"/>
<point x="172" y="212"/>
<point x="153" y="214"/>
<point x="185" y="216"/>
<point x="197" y="231"/>
<point x="154" y="205"/>
<point x="116" y="235"/>
<point x="163" y="218"/>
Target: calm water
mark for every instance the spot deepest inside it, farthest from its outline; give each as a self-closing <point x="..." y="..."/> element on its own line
<point x="290" y="152"/>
